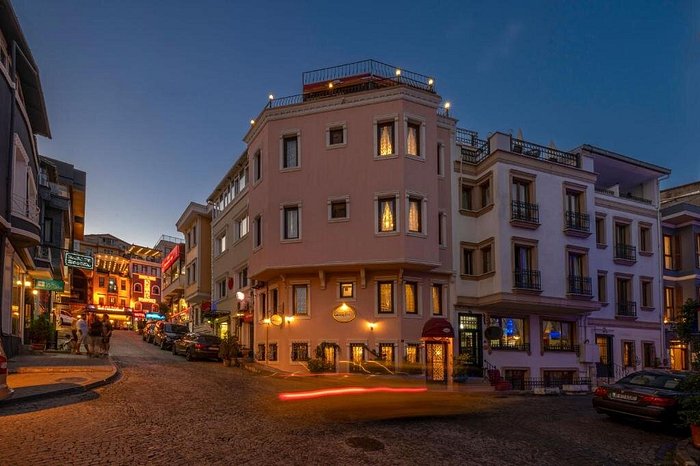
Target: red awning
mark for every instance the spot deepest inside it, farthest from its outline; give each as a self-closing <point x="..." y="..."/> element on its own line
<point x="438" y="327"/>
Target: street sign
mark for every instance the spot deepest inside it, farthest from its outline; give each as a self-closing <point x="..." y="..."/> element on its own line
<point x="50" y="285"/>
<point x="80" y="261"/>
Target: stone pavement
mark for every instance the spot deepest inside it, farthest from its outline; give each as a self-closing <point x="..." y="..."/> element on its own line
<point x="39" y="375"/>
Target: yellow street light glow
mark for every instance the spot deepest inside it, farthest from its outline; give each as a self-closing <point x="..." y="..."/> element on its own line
<point x="35" y="292"/>
<point x="330" y="85"/>
<point x="289" y="319"/>
<point x="398" y="72"/>
<point x="371" y="325"/>
<point x="266" y="321"/>
<point x="19" y="282"/>
<point x="431" y="82"/>
<point x="270" y="96"/>
<point x="252" y="122"/>
<point x="447" y="105"/>
<point x="27" y="283"/>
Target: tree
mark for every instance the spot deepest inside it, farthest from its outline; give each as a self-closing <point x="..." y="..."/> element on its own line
<point x="164" y="309"/>
<point x="686" y="327"/>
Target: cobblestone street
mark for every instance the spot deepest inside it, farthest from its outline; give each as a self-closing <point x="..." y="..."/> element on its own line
<point x="165" y="410"/>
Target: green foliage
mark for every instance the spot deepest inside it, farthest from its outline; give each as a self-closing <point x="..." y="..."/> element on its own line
<point x="164" y="309"/>
<point x="690" y="410"/>
<point x="320" y="349"/>
<point x="40" y="329"/>
<point x="461" y="366"/>
<point x="318" y="365"/>
<point x="229" y="348"/>
<point x="687" y="321"/>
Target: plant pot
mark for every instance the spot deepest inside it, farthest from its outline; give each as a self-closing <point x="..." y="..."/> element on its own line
<point x="227" y="363"/>
<point x="695" y="435"/>
<point x="38" y="346"/>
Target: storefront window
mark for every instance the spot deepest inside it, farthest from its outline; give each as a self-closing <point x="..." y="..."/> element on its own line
<point x="557" y="335"/>
<point x="514" y="335"/>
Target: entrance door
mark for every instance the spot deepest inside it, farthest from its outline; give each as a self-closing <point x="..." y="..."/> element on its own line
<point x="357" y="357"/>
<point x="329" y="355"/>
<point x="604" y="368"/>
<point x="679" y="356"/>
<point x="470" y="341"/>
<point x="436" y="362"/>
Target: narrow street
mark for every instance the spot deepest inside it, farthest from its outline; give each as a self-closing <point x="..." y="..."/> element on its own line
<point x="165" y="410"/>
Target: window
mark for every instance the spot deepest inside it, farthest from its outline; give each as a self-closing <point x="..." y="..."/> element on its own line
<point x="291" y="222"/>
<point x="220" y="244"/>
<point x="387" y="214"/>
<point x="413" y="139"/>
<point x="336" y="135"/>
<point x="385" y="138"/>
<point x="257" y="166"/>
<point x="274" y="300"/>
<point x="646" y="293"/>
<point x="112" y="301"/>
<point x="241" y="227"/>
<point x="413" y="353"/>
<point x="122" y="303"/>
<point x="300" y="351"/>
<point x="123" y="285"/>
<point x="346" y="290"/>
<point x="338" y="209"/>
<point x="514" y="334"/>
<point x="243" y="277"/>
<point x="193" y="273"/>
<point x="557" y="335"/>
<point x="300" y="299"/>
<point x="645" y="239"/>
<point x="101" y="300"/>
<point x="194" y="235"/>
<point x="262" y="302"/>
<point x="415" y="220"/>
<point x="486" y="259"/>
<point x="672" y="252"/>
<point x="442" y="229"/>
<point x="440" y="159"/>
<point x="436" y="302"/>
<point x="649" y="353"/>
<point x="138" y="288"/>
<point x="628" y="356"/>
<point x="669" y="304"/>
<point x="48" y="230"/>
<point x="290" y="152"/>
<point x="385" y="297"/>
<point x="623" y="247"/>
<point x="221" y="288"/>
<point x="257" y="232"/>
<point x="522" y="208"/>
<point x="411" y="297"/>
<point x="386" y="353"/>
<point x="112" y="285"/>
<point x="468" y="261"/>
<point x="485" y="192"/>
<point x="602" y="287"/>
<point x="101" y="282"/>
<point x="600" y="230"/>
<point x="155" y="290"/>
<point x="261" y="352"/>
<point x="273" y="352"/>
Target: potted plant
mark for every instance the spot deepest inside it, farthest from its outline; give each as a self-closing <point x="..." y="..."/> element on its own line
<point x="689" y="409"/>
<point x="229" y="350"/>
<point x="40" y="331"/>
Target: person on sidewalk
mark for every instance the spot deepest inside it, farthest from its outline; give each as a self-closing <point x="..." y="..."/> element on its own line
<point x="74" y="345"/>
<point x="106" y="334"/>
<point x="95" y="334"/>
<point x="82" y="334"/>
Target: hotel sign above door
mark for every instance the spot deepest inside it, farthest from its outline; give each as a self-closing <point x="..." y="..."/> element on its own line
<point x="344" y="313"/>
<point x="79" y="261"/>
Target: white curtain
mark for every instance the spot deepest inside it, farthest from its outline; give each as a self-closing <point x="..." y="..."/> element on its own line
<point x="414" y="215"/>
<point x="386" y="140"/>
<point x="412" y="141"/>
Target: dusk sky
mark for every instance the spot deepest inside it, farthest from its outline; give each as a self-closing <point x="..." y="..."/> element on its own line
<point x="152" y="98"/>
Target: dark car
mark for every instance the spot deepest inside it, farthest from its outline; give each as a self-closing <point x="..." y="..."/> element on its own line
<point x="197" y="345"/>
<point x="649" y="395"/>
<point x="148" y="330"/>
<point x="166" y="333"/>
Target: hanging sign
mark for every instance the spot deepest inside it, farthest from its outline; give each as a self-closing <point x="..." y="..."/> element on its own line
<point x="276" y="319"/>
<point x="344" y="313"/>
<point x="50" y="285"/>
<point x="80" y="261"/>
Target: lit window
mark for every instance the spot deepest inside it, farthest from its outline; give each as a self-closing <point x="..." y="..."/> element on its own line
<point x="385" y="138"/>
<point x="385" y="292"/>
<point x="436" y="299"/>
<point x="413" y="353"/>
<point x="347" y="290"/>
<point x="411" y="297"/>
<point x="300" y="295"/>
<point x="387" y="214"/>
<point x="414" y="215"/>
<point x="413" y="139"/>
<point x="386" y="351"/>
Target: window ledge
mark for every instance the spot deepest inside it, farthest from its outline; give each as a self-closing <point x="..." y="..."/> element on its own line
<point x="646" y="253"/>
<point x="629" y="318"/>
<point x="412" y="316"/>
<point x="579" y="296"/>
<point x="288" y="241"/>
<point x="336" y="146"/>
<point x="620" y="261"/>
<point x="386" y="157"/>
<point x="646" y="308"/>
<point x="299" y="317"/>
<point x="576" y="233"/>
<point x="477" y="213"/>
<point x="603" y="303"/>
<point x="385" y="315"/>
<point x="525" y="224"/>
<point x="416" y="234"/>
<point x="387" y="233"/>
<point x="526" y="291"/>
<point x="290" y="169"/>
<point x="417" y="158"/>
<point x="339" y="220"/>
<point x="601" y="245"/>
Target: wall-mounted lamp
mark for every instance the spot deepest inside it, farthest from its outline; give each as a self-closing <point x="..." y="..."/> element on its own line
<point x="18" y="282"/>
<point x="240" y="295"/>
<point x="266" y="321"/>
<point x="398" y="72"/>
<point x="35" y="292"/>
<point x="27" y="283"/>
<point x="431" y="81"/>
<point x="289" y="319"/>
<point x="371" y="326"/>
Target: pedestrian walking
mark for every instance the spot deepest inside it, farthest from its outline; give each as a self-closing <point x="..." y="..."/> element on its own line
<point x="95" y="334"/>
<point x="106" y="334"/>
<point x="74" y="345"/>
<point x="82" y="327"/>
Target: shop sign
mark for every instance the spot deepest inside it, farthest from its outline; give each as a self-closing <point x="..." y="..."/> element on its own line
<point x="171" y="258"/>
<point x="80" y="261"/>
<point x="154" y="316"/>
<point x="276" y="319"/>
<point x="344" y="313"/>
<point x="50" y="285"/>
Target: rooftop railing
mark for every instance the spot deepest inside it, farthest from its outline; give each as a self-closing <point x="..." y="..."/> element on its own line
<point x="544" y="153"/>
<point x="371" y="69"/>
<point x="473" y="149"/>
<point x="629" y="196"/>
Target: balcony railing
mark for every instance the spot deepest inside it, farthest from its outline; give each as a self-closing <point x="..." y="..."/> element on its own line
<point x="626" y="309"/>
<point x="525" y="212"/>
<point x="563" y="347"/>
<point x="509" y="346"/>
<point x="527" y="279"/>
<point x="544" y="153"/>
<point x="579" y="285"/>
<point x="369" y="69"/>
<point x="626" y="252"/>
<point x="26" y="207"/>
<point x="630" y="196"/>
<point x="577" y="221"/>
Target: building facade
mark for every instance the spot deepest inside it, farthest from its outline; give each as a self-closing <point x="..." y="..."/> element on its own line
<point x="349" y="207"/>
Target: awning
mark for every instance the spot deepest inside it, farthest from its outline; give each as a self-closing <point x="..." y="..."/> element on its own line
<point x="438" y="327"/>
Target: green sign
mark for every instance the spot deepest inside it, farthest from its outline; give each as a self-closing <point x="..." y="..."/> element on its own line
<point x="81" y="261"/>
<point x="50" y="285"/>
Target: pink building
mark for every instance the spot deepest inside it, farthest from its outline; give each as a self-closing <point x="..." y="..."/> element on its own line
<point x="349" y="205"/>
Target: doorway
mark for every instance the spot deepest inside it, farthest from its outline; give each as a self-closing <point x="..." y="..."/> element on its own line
<point x="471" y="342"/>
<point x="436" y="362"/>
<point x="605" y="368"/>
<point x="357" y="357"/>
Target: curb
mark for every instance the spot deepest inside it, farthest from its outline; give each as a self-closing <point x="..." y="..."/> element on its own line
<point x="65" y="391"/>
<point x="60" y="369"/>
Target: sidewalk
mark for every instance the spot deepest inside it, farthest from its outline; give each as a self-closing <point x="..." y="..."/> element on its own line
<point x="35" y="376"/>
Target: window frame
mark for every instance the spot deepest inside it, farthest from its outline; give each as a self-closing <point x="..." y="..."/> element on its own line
<point x="337" y="200"/>
<point x="602" y="292"/>
<point x="378" y="123"/>
<point x="284" y="230"/>
<point x="422" y="201"/>
<point x="645" y="239"/>
<point x="601" y="233"/>
<point x="257" y="232"/>
<point x="378" y="199"/>
<point x="336" y="126"/>
<point x="377" y="301"/>
<point x="294" y="285"/>
<point x="646" y="297"/>
<point x="415" y="283"/>
<point x="417" y="123"/>
<point x="441" y="288"/>
<point x="290" y="134"/>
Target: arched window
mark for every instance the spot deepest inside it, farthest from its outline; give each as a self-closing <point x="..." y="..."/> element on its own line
<point x="138" y="288"/>
<point x="155" y="290"/>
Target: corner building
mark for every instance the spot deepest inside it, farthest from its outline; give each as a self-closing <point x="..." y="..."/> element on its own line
<point x="349" y="209"/>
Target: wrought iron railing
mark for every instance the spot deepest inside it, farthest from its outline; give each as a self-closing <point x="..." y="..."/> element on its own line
<point x="544" y="153"/>
<point x="577" y="221"/>
<point x="525" y="212"/>
<point x="563" y="347"/>
<point x="529" y="383"/>
<point x="626" y="252"/>
<point x="475" y="154"/>
<point x="527" y="279"/>
<point x="26" y="207"/>
<point x="635" y="198"/>
<point x="509" y="346"/>
<point x="626" y="309"/>
<point x="368" y="68"/>
<point x="466" y="136"/>
<point x="579" y="285"/>
<point x="605" y="191"/>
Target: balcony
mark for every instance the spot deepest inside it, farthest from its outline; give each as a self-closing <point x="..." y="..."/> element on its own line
<point x="25" y="207"/>
<point x="579" y="285"/>
<point x="576" y="222"/>
<point x="625" y="253"/>
<point x="626" y="309"/>
<point x="527" y="280"/>
<point x="473" y="149"/>
<point x="629" y="196"/>
<point x="509" y="346"/>
<point x="548" y="154"/>
<point x="566" y="347"/>
<point x="524" y="214"/>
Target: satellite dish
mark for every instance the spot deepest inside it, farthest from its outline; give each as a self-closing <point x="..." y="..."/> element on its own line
<point x="493" y="333"/>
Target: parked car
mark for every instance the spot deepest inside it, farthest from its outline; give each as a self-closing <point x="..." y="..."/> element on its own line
<point x="5" y="390"/>
<point x="649" y="395"/>
<point x="197" y="345"/>
<point x="148" y="332"/>
<point x="166" y="333"/>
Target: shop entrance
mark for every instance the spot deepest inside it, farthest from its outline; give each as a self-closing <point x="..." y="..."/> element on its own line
<point x="357" y="357"/>
<point x="438" y="335"/>
<point x="436" y="363"/>
<point x="470" y="342"/>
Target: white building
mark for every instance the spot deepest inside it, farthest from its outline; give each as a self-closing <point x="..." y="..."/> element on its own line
<point x="559" y="263"/>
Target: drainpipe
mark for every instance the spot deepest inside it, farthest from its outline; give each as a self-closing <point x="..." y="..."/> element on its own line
<point x="660" y="288"/>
